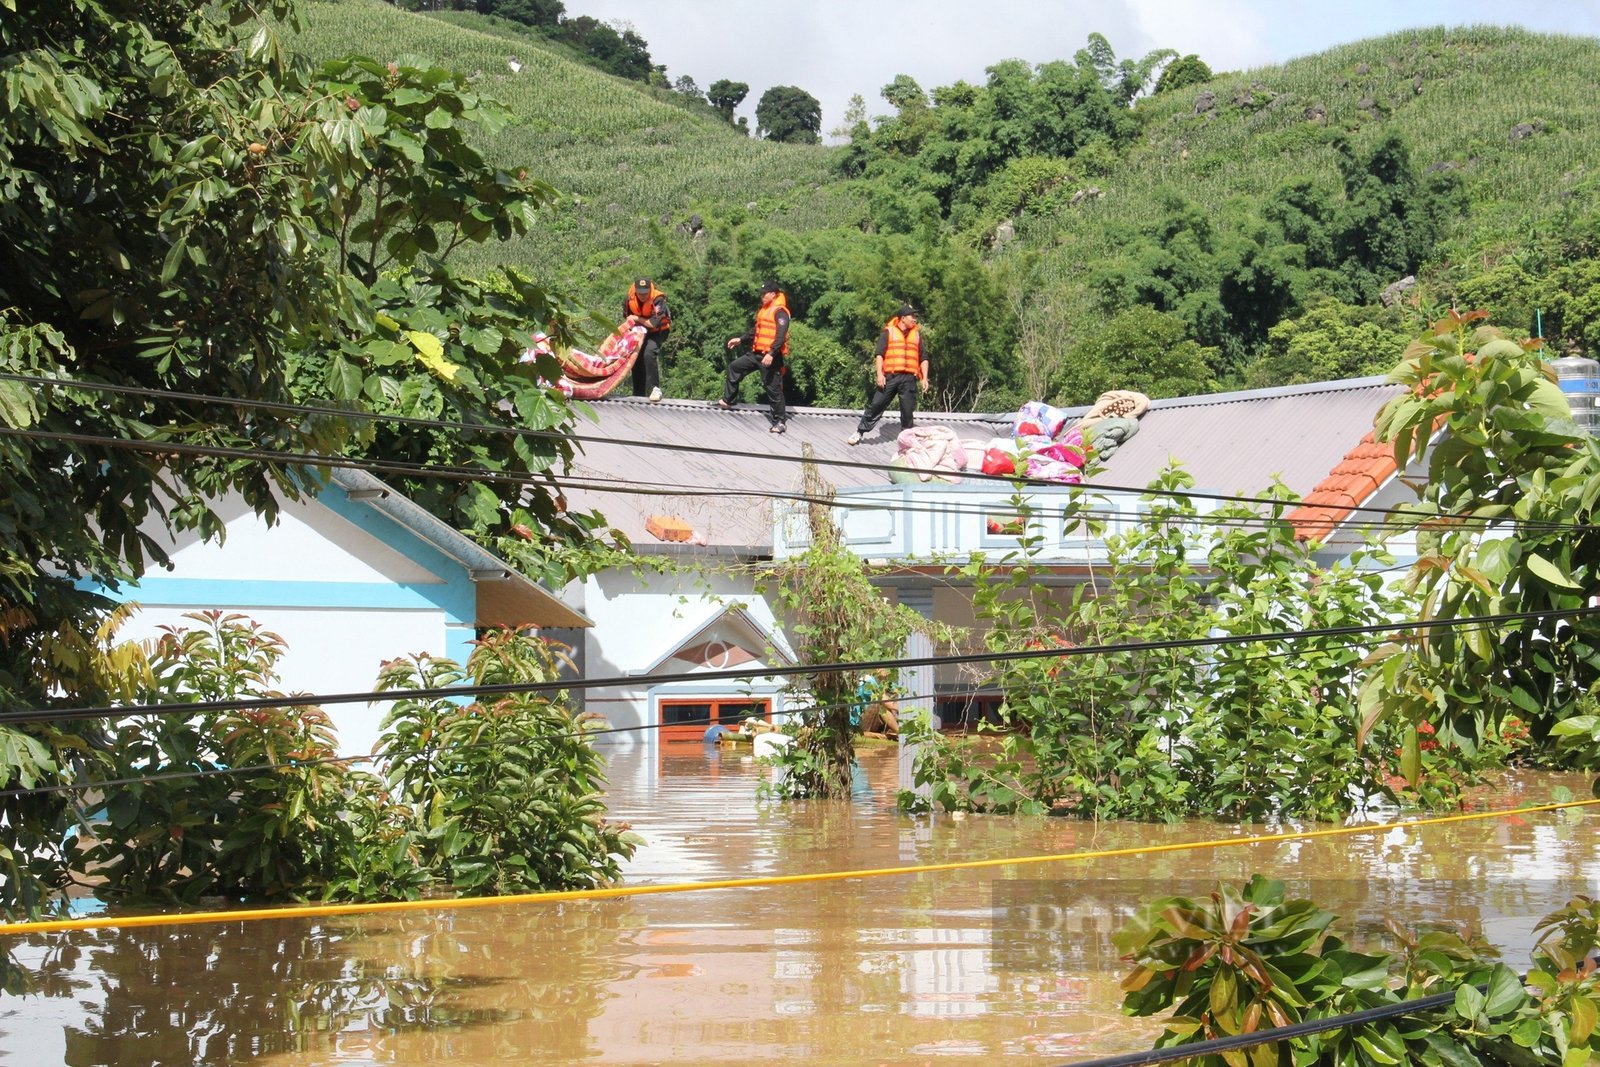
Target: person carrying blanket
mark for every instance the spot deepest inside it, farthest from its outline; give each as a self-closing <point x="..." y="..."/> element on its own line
<point x="901" y="365"/>
<point x="646" y="306"/>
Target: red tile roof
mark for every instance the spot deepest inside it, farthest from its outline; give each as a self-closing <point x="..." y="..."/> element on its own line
<point x="1349" y="485"/>
<point x="1356" y="477"/>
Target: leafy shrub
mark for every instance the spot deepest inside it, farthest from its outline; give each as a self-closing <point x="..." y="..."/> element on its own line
<point x="485" y="799"/>
<point x="1245" y="729"/>
<point x="504" y="797"/>
<point x="1247" y="960"/>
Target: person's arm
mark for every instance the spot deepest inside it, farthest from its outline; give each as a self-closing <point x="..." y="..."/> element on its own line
<point x="877" y="359"/>
<point x="658" y="312"/>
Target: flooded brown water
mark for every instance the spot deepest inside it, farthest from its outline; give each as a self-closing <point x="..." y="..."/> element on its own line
<point x="1009" y="963"/>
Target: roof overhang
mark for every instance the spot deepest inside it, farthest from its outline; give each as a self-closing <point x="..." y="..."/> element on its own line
<point x="505" y="597"/>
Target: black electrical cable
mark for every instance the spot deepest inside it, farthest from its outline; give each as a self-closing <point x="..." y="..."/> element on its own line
<point x="746" y="674"/>
<point x="1262" y="1037"/>
<point x="1399" y="518"/>
<point x="586" y="732"/>
<point x="302" y="409"/>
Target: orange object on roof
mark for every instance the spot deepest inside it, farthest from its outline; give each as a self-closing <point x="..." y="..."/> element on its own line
<point x="1348" y="486"/>
<point x="667" y="528"/>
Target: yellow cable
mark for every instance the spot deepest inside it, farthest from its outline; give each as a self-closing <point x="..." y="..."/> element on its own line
<point x="323" y="910"/>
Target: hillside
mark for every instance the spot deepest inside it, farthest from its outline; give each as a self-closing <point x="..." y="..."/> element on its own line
<point x="1511" y="113"/>
<point x="1207" y="237"/>
<point x="618" y="156"/>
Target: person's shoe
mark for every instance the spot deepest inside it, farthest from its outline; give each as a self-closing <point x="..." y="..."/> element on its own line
<point x="724" y="405"/>
<point x="655" y="396"/>
<point x="778" y="427"/>
<point x="853" y="439"/>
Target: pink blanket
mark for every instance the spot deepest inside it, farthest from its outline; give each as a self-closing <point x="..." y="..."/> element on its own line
<point x="932" y="450"/>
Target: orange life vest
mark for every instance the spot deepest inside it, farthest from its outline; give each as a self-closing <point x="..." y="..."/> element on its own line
<point x="903" y="353"/>
<point x="648" y="308"/>
<point x="767" y="327"/>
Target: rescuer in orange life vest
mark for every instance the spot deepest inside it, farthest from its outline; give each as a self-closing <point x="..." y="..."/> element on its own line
<point x="901" y="364"/>
<point x="769" y="344"/>
<point x="646" y="306"/>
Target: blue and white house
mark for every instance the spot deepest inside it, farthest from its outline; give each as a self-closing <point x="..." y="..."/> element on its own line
<point x="351" y="577"/>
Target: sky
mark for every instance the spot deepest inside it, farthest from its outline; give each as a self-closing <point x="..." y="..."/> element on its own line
<point x="835" y="48"/>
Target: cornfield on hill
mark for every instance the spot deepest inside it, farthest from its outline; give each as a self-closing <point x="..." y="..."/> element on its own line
<point x="1511" y="112"/>
<point x="619" y="158"/>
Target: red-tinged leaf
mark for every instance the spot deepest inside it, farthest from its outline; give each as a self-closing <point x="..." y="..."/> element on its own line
<point x="1136" y="979"/>
<point x="1185" y="922"/>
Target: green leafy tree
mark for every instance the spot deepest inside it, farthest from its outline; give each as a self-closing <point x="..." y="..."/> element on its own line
<point x="904" y="95"/>
<point x="1504" y="523"/>
<point x="837" y="616"/>
<point x="503" y="797"/>
<point x="1138" y="349"/>
<point x="187" y="209"/>
<point x="1392" y="217"/>
<point x="1331" y="340"/>
<point x="725" y="95"/>
<point x="789" y="113"/>
<point x="1181" y="73"/>
<point x="546" y="13"/>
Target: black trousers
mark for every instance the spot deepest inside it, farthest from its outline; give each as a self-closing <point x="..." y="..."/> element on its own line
<point x="771" y="378"/>
<point x="647" y="368"/>
<point x="903" y="384"/>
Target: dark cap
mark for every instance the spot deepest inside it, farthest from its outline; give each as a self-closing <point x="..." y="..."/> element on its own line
<point x="905" y="309"/>
<point x="769" y="287"/>
<point x="643" y="285"/>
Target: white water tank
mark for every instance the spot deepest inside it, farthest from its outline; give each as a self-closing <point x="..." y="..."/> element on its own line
<point x="1579" y="378"/>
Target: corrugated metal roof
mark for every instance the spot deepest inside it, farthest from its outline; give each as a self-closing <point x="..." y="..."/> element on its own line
<point x="1229" y="442"/>
<point x="1237" y="442"/>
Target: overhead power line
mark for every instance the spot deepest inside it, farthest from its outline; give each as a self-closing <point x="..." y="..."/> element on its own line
<point x="1397" y="518"/>
<point x="748" y="674"/>
<point x="556" y="436"/>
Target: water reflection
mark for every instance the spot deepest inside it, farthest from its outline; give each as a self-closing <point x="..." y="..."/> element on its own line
<point x="1009" y="962"/>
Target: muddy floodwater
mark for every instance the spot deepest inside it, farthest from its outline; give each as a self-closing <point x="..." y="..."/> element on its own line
<point x="1005" y="963"/>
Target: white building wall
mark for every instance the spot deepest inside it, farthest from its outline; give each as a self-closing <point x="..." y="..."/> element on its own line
<point x="641" y="620"/>
<point x="330" y="650"/>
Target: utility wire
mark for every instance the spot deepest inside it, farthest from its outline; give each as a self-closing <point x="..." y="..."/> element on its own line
<point x="1218" y="1045"/>
<point x="746" y="674"/>
<point x="551" y="435"/>
<point x="1399" y="518"/>
<point x="584" y="731"/>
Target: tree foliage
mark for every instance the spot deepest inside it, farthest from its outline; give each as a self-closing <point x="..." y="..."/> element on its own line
<point x="789" y="113"/>
<point x="188" y="210"/>
<point x="1504" y="523"/>
<point x="725" y="95"/>
<point x="1163" y="733"/>
<point x="1181" y="73"/>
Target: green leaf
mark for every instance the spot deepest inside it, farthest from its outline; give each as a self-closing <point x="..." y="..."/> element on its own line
<point x="1576" y="726"/>
<point x="17" y="408"/>
<point x="1411" y="758"/>
<point x="1469" y="1003"/>
<point x="1549" y="573"/>
<point x="1505" y="993"/>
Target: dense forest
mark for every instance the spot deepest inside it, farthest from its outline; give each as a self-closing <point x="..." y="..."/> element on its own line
<point x="1081" y="223"/>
